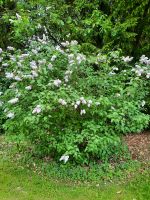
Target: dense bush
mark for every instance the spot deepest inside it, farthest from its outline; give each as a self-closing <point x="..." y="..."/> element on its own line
<point x="72" y="105"/>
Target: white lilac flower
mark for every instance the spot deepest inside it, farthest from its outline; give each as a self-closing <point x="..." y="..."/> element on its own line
<point x="5" y="64"/>
<point x="75" y="106"/>
<point x="19" y="64"/>
<point x="62" y="102"/>
<point x="127" y="59"/>
<point x="82" y="112"/>
<point x="33" y="65"/>
<point x="17" y="78"/>
<point x="28" y="87"/>
<point x="57" y="82"/>
<point x="90" y="101"/>
<point x="50" y="66"/>
<point x="97" y="103"/>
<point x="143" y="59"/>
<point x="13" y="101"/>
<point x="143" y="103"/>
<point x="70" y="56"/>
<point x="10" y="48"/>
<point x="53" y="58"/>
<point x="80" y="58"/>
<point x="9" y="75"/>
<point x="74" y="42"/>
<point x="5" y="110"/>
<point x="1" y="103"/>
<point x="78" y="102"/>
<point x="18" y="16"/>
<point x="112" y="108"/>
<point x="10" y="115"/>
<point x="1" y="50"/>
<point x="13" y="85"/>
<point x="42" y="62"/>
<point x="37" y="109"/>
<point x="39" y="26"/>
<point x="138" y="70"/>
<point x="24" y="55"/>
<point x="148" y="75"/>
<point x="65" y="44"/>
<point x="58" y="48"/>
<point x="34" y="51"/>
<point x="68" y="72"/>
<point x="66" y="79"/>
<point x="115" y="68"/>
<point x="112" y="73"/>
<point x="83" y="101"/>
<point x="118" y="95"/>
<point x="1" y="93"/>
<point x="64" y="158"/>
<point x="12" y="58"/>
<point x="34" y="74"/>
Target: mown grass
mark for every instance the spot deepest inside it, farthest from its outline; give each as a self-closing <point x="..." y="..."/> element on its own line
<point x="18" y="183"/>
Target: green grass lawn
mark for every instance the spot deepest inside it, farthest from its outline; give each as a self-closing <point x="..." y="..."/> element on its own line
<point x="17" y="183"/>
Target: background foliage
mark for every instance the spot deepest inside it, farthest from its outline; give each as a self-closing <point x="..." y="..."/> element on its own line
<point x="95" y="70"/>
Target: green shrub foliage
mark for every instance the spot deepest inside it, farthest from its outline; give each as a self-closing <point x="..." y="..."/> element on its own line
<point x="71" y="105"/>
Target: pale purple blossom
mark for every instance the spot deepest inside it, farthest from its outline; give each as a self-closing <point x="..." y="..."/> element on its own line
<point x="17" y="78"/>
<point x="37" y="109"/>
<point x="33" y="65"/>
<point x="57" y="82"/>
<point x="9" y="75"/>
<point x="62" y="102"/>
<point x="13" y="101"/>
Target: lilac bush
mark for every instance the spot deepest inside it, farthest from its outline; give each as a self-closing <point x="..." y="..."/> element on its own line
<point x="67" y="108"/>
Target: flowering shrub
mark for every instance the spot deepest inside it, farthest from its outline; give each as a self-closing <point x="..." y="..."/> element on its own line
<point x="73" y="106"/>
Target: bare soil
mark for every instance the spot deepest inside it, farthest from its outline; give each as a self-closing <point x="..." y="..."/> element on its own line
<point x="139" y="146"/>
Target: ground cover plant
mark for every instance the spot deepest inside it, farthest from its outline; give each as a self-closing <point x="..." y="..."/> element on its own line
<point x="19" y="182"/>
<point x="72" y="106"/>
